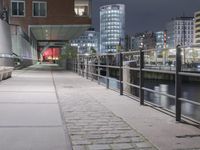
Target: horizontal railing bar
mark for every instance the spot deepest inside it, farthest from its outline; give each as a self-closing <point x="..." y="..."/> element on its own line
<point x="153" y="91"/>
<point x="158" y="71"/>
<point x="189" y="74"/>
<point x="149" y="50"/>
<point x="113" y="79"/>
<point x="130" y="68"/>
<point x="133" y="85"/>
<point x="189" y="101"/>
<point x="108" y="66"/>
<point x="131" y="52"/>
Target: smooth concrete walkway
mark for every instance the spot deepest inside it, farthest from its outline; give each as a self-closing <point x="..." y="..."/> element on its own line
<point x="29" y="112"/>
<point x="39" y="108"/>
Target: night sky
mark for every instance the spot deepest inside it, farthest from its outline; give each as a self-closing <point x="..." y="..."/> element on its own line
<point x="151" y="15"/>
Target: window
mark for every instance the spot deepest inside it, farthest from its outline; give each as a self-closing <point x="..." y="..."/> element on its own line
<point x="39" y="9"/>
<point x="18" y="8"/>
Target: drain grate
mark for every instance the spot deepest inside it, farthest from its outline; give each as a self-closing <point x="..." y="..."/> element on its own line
<point x="188" y="136"/>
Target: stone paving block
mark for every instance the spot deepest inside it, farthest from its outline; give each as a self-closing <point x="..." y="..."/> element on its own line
<point x="144" y="145"/>
<point x="99" y="147"/>
<point x="121" y="146"/>
<point x="122" y="140"/>
<point x="94" y="136"/>
<point x="79" y="148"/>
<point x="81" y="142"/>
<point x="137" y="139"/>
<point x="111" y="136"/>
<point x="102" y="141"/>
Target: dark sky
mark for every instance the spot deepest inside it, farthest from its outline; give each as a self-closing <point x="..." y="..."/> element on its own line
<point x="143" y="15"/>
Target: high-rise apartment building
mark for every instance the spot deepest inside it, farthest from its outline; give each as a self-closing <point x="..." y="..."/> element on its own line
<point x="87" y="42"/>
<point x="112" y="27"/>
<point x="197" y="28"/>
<point x="180" y="31"/>
<point x="161" y="39"/>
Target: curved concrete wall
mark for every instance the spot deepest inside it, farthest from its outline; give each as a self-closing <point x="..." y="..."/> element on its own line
<point x="5" y="44"/>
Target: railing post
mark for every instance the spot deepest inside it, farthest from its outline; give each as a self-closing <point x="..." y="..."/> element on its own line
<point x="121" y="72"/>
<point x="87" y="67"/>
<point x="141" y="77"/>
<point x="83" y="66"/>
<point x="98" y="63"/>
<point x="107" y="72"/>
<point x="78" y="64"/>
<point x="178" y="83"/>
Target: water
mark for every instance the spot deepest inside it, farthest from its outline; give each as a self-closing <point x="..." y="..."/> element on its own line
<point x="190" y="91"/>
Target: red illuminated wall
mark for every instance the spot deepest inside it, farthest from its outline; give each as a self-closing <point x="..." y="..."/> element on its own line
<point x="51" y="54"/>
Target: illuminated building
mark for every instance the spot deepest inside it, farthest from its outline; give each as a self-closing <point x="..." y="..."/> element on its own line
<point x="197" y="28"/>
<point x="160" y="40"/>
<point x="144" y="40"/>
<point x="180" y="31"/>
<point x="112" y="26"/>
<point x="88" y="40"/>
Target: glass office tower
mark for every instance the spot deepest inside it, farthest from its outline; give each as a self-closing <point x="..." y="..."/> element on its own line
<point x="112" y="28"/>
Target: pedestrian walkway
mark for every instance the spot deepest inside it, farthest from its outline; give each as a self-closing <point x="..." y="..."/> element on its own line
<point x="29" y="113"/>
<point x="46" y="108"/>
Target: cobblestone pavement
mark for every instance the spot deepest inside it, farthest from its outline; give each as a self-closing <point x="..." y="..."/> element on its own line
<point x="90" y="125"/>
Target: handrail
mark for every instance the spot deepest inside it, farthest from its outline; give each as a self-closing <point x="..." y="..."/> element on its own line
<point x="96" y="65"/>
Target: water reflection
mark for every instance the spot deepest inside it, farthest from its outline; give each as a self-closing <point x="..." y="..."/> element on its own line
<point x="188" y="109"/>
<point x="190" y="90"/>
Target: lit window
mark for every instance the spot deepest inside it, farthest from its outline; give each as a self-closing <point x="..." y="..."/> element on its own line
<point x="18" y="8"/>
<point x="39" y="9"/>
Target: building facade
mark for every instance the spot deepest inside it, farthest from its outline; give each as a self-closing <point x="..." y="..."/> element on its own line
<point x="180" y="31"/>
<point x="197" y="28"/>
<point x="47" y="23"/>
<point x="144" y="40"/>
<point x="5" y="40"/>
<point x="88" y="42"/>
<point x="161" y="39"/>
<point x="112" y="28"/>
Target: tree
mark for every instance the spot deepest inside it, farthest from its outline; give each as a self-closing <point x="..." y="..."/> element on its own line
<point x="93" y="50"/>
<point x="68" y="52"/>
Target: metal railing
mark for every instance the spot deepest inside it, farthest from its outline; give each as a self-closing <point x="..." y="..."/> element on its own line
<point x="92" y="66"/>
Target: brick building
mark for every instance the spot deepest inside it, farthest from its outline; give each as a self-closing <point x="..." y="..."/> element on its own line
<point x="47" y="23"/>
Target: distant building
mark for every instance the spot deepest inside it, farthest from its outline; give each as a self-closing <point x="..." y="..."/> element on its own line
<point x="161" y="39"/>
<point x="180" y="31"/>
<point x="128" y="43"/>
<point x="137" y="41"/>
<point x="197" y="28"/>
<point x="112" y="27"/>
<point x="144" y="40"/>
<point x="87" y="41"/>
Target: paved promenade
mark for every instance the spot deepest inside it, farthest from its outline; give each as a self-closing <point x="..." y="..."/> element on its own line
<point x="42" y="109"/>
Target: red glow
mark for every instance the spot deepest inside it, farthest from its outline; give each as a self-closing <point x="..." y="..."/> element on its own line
<point x="51" y="53"/>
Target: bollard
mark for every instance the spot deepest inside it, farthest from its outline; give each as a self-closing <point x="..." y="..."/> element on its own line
<point x="164" y="102"/>
<point x="156" y="95"/>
